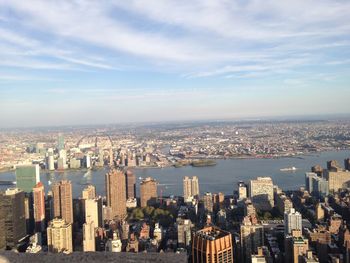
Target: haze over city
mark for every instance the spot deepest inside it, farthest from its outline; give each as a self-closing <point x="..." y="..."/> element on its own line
<point x="82" y="62"/>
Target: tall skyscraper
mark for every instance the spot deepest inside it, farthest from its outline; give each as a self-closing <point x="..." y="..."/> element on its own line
<point x="261" y="193"/>
<point x="59" y="236"/>
<point x="252" y="237"/>
<point x="89" y="235"/>
<point x="60" y="144"/>
<point x="63" y="200"/>
<point x="130" y="184"/>
<point x="116" y="193"/>
<point x="12" y="207"/>
<point x="211" y="244"/>
<point x="39" y="207"/>
<point x="148" y="192"/>
<point x="292" y="221"/>
<point x="190" y="187"/>
<point x="195" y="186"/>
<point x="27" y="176"/>
<point x="316" y="185"/>
<point x="89" y="192"/>
<point x="208" y="202"/>
<point x="50" y="161"/>
<point x="93" y="211"/>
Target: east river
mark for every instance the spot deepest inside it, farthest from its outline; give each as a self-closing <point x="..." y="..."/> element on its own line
<point x="222" y="177"/>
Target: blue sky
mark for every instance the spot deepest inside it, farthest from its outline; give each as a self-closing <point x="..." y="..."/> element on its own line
<point x="85" y="62"/>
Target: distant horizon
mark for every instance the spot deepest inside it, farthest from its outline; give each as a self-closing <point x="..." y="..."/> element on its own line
<point x="93" y="62"/>
<point x="286" y="118"/>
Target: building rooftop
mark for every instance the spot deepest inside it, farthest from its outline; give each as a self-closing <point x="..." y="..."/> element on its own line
<point x="212" y="233"/>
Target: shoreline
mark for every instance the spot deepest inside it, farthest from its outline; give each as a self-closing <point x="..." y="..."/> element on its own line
<point x="243" y="157"/>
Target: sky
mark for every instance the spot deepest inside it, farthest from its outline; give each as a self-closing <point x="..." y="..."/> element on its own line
<point x="94" y="62"/>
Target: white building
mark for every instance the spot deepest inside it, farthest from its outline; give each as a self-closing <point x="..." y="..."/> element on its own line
<point x="292" y="221"/>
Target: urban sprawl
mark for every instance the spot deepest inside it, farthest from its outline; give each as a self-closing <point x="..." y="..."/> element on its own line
<point x="259" y="222"/>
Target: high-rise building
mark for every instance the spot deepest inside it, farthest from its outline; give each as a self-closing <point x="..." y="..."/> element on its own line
<point x="60" y="144"/>
<point x="337" y="179"/>
<point x="261" y="193"/>
<point x="148" y="192"/>
<point x="50" y="161"/>
<point x="184" y="227"/>
<point x="39" y="207"/>
<point x="116" y="193"/>
<point x="89" y="235"/>
<point x="87" y="161"/>
<point x="27" y="176"/>
<point x="211" y="244"/>
<point x="13" y="210"/>
<point x="242" y="190"/>
<point x="89" y="192"/>
<point x="93" y="211"/>
<point x="292" y="221"/>
<point x="190" y="187"/>
<point x="252" y="237"/>
<point x="296" y="247"/>
<point x="130" y="184"/>
<point x="195" y="186"/>
<point x="59" y="236"/>
<point x="63" y="200"/>
<point x="208" y="202"/>
<point x="316" y="185"/>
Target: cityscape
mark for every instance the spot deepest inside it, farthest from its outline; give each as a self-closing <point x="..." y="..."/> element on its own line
<point x="203" y="131"/>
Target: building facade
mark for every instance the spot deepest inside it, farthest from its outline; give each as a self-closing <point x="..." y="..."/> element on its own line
<point x="116" y="193"/>
<point x="27" y="176"/>
<point x="59" y="236"/>
<point x="148" y="192"/>
<point x="211" y="244"/>
<point x="63" y="200"/>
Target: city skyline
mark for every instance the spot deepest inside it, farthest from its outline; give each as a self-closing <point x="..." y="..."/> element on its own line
<point x="171" y="61"/>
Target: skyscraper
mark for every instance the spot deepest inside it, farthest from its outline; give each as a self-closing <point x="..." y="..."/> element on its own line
<point x="252" y="237"/>
<point x="292" y="221"/>
<point x="116" y="192"/>
<point x="39" y="207"/>
<point x="190" y="187"/>
<point x="12" y="206"/>
<point x="212" y="244"/>
<point x="93" y="211"/>
<point x="60" y="144"/>
<point x="130" y="184"/>
<point x="50" y="161"/>
<point x="89" y="235"/>
<point x="316" y="185"/>
<point x="89" y="192"/>
<point x="208" y="202"/>
<point x="242" y="190"/>
<point x="27" y="176"/>
<point x="59" y="236"/>
<point x="261" y="193"/>
<point x="63" y="200"/>
<point x="148" y="192"/>
<point x="195" y="186"/>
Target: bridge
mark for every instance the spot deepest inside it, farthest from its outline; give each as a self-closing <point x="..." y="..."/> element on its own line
<point x="95" y="136"/>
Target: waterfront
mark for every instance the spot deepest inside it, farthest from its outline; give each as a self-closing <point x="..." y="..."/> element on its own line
<point x="222" y="177"/>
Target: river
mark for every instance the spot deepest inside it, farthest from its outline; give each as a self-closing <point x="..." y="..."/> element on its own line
<point x="222" y="177"/>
